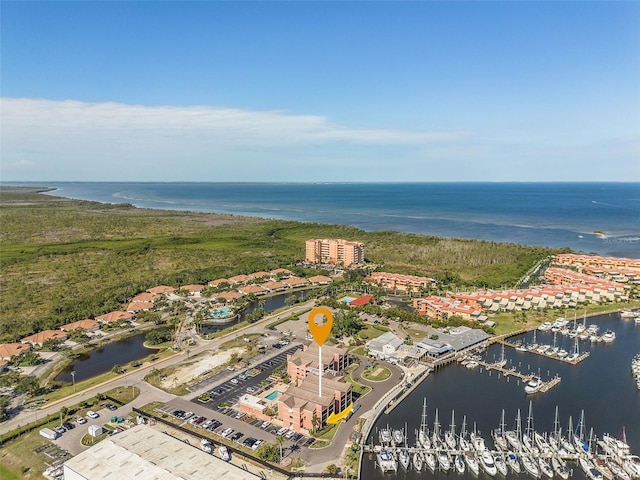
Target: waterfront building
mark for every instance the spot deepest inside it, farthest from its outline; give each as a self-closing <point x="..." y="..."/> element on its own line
<point x="581" y="262"/>
<point x="229" y="296"/>
<point x="385" y="347"/>
<point x="335" y="251"/>
<point x="293" y="282"/>
<point x="301" y="407"/>
<point x="320" y="280"/>
<point x="253" y="289"/>
<point x="398" y="282"/>
<point x="441" y="308"/>
<point x="144" y="452"/>
<point x="304" y="362"/>
<point x="275" y="286"/>
<point x="452" y="339"/>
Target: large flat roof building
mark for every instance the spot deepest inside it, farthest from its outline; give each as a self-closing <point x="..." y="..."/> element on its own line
<point x="144" y="453"/>
<point x="334" y="250"/>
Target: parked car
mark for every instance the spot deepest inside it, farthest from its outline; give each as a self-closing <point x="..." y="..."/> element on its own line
<point x="217" y="391"/>
<point x="187" y="415"/>
<point x="60" y="430"/>
<point x="236" y="436"/>
<point x="265" y="424"/>
<point x="249" y="441"/>
<point x="256" y="445"/>
<point x="68" y="425"/>
<point x="250" y="389"/>
<point x="289" y="434"/>
<point x="226" y="432"/>
<point x="92" y="414"/>
<point x="242" y="376"/>
<point x="81" y="420"/>
<point x="282" y="431"/>
<point x="234" y="381"/>
<point x="111" y="406"/>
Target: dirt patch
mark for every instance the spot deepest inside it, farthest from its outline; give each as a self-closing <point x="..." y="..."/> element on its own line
<point x="200" y="366"/>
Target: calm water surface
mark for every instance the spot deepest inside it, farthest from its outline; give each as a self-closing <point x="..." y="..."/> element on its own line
<point x="602" y="385"/>
<point x="104" y="358"/>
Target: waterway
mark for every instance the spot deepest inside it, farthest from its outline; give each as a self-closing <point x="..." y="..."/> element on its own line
<point x="601" y="385"/>
<point x="271" y="304"/>
<point x="101" y="360"/>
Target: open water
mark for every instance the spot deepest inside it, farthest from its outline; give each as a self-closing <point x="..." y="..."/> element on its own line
<point x="548" y="214"/>
<point x="601" y="385"/>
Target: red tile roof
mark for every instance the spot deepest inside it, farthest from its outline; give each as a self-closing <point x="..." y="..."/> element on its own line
<point x="114" y="316"/>
<point x="86" y="324"/>
<point x="161" y="289"/>
<point x="362" y="301"/>
<point x="144" y="297"/>
<point x="8" y="350"/>
<point x="45" y="335"/>
<point x="192" y="288"/>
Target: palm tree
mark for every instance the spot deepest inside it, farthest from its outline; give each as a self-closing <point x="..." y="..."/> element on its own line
<point x="280" y="441"/>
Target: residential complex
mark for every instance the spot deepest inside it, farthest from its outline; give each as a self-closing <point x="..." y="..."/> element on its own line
<point x="300" y="406"/>
<point x="304" y="362"/>
<point x="335" y="251"/>
<point x="607" y="263"/>
<point x="398" y="282"/>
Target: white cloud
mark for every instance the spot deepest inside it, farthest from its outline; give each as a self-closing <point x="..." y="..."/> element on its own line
<point x="34" y="119"/>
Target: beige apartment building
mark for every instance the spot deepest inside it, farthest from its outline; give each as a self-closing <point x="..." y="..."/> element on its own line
<point x="334" y="250"/>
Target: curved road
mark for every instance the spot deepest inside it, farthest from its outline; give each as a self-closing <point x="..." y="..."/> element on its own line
<point x="148" y="393"/>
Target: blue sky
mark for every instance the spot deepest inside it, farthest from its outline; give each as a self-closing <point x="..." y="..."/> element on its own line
<point x="320" y="91"/>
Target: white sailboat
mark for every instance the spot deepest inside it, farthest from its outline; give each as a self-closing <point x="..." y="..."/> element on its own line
<point x="450" y="435"/>
<point x="500" y="464"/>
<point x="560" y="467"/>
<point x="514" y="436"/>
<point x="578" y="436"/>
<point x="417" y="461"/>
<point x="498" y="434"/>
<point x="514" y="462"/>
<point x="423" y="433"/>
<point x="545" y="468"/>
<point x="462" y="440"/>
<point x="458" y="463"/>
<point x="404" y="458"/>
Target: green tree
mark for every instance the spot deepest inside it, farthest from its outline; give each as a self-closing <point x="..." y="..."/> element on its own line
<point x="332" y="469"/>
<point x="268" y="451"/>
<point x="316" y="422"/>
<point x="279" y="442"/>
<point x="29" y="385"/>
<point x="346" y="323"/>
<point x="4" y="406"/>
<point x="156" y="337"/>
<point x="118" y="369"/>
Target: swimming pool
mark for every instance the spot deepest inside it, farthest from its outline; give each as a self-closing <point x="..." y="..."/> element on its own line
<point x="273" y="395"/>
<point x="347" y="299"/>
<point x="221" y="312"/>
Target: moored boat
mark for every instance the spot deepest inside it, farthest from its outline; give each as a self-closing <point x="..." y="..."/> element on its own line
<point x="534" y="385"/>
<point x="430" y="460"/>
<point x="530" y="466"/>
<point x="560" y="467"/>
<point x="224" y="453"/>
<point x="417" y="461"/>
<point x="404" y="458"/>
<point x="500" y="464"/>
<point x="545" y="468"/>
<point x="514" y="463"/>
<point x="458" y="463"/>
<point x="487" y="462"/>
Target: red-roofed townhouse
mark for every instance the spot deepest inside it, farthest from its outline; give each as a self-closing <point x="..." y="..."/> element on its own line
<point x="41" y="337"/>
<point x="8" y="350"/>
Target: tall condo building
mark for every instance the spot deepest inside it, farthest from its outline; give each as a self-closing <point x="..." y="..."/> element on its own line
<point x="334" y="250"/>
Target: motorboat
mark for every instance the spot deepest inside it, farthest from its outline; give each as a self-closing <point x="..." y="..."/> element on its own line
<point x="632" y="465"/>
<point x="487" y="462"/>
<point x="545" y="327"/>
<point x="545" y="467"/>
<point x="513" y="462"/>
<point x="417" y="461"/>
<point x="444" y="461"/>
<point x="404" y="458"/>
<point x="206" y="445"/>
<point x="385" y="436"/>
<point x="398" y="437"/>
<point x="500" y="464"/>
<point x="458" y="463"/>
<point x="472" y="462"/>
<point x="534" y="385"/>
<point x="224" y="453"/>
<point x="386" y="462"/>
<point x="609" y="336"/>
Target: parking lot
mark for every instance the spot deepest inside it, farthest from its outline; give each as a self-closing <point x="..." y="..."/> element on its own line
<point x="229" y="422"/>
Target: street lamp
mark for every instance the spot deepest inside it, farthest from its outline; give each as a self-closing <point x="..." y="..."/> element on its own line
<point x="73" y="379"/>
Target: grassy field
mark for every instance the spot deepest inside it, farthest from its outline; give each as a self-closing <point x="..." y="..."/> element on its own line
<point x="63" y="260"/>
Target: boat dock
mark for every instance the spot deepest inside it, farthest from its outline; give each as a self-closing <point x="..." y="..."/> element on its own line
<point x="525" y="378"/>
<point x="574" y="361"/>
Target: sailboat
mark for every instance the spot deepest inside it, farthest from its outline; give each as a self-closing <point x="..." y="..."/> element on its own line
<point x="514" y="436"/>
<point x="565" y="442"/>
<point x="527" y="438"/>
<point x="404" y="459"/>
<point x="499" y="434"/>
<point x="462" y="440"/>
<point x="450" y="435"/>
<point x="503" y="361"/>
<point x="443" y="457"/>
<point x="575" y="354"/>
<point x="417" y="461"/>
<point x="423" y="433"/>
<point x="578" y="436"/>
<point x="514" y="463"/>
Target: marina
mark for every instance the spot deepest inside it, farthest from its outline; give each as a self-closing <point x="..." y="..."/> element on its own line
<point x="500" y="395"/>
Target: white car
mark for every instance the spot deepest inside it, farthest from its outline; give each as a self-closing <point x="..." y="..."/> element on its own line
<point x="234" y="381"/>
<point x="227" y="432"/>
<point x="92" y="414"/>
<point x="256" y="445"/>
<point x="81" y="420"/>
